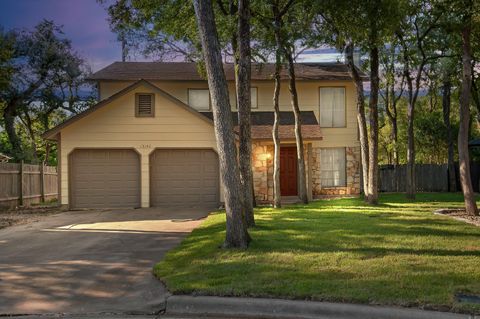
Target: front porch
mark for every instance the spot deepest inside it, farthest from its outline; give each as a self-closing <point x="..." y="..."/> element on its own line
<point x="262" y="167"/>
<point x="339" y="175"/>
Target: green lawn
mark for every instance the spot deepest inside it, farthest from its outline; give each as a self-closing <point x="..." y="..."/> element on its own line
<point x="397" y="253"/>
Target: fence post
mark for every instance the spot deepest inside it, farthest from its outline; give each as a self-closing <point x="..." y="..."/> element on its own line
<point x="20" y="196"/>
<point x="42" y="182"/>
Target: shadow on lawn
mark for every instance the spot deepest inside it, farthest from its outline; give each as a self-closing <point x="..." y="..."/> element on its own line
<point x="343" y="226"/>
<point x="396" y="253"/>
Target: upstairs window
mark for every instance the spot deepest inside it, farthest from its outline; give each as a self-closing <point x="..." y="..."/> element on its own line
<point x="199" y="99"/>
<point x="144" y="105"/>
<point x="253" y="98"/>
<point x="332" y="107"/>
<point x="332" y="167"/>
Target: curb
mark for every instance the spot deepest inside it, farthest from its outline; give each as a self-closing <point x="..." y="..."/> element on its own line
<point x="287" y="309"/>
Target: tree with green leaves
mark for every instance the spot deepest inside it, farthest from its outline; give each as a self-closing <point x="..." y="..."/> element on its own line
<point x="268" y="17"/>
<point x="418" y="49"/>
<point x="338" y="24"/>
<point x="237" y="22"/>
<point x="392" y="85"/>
<point x="171" y="29"/>
<point x="158" y="32"/>
<point x="475" y="45"/>
<point x="236" y="235"/>
<point x="297" y="27"/>
<point x="430" y="131"/>
<point x="469" y="13"/>
<point x="7" y="51"/>
<point x="281" y="26"/>
<point x="41" y="63"/>
<point x="243" y="80"/>
<point x="442" y="74"/>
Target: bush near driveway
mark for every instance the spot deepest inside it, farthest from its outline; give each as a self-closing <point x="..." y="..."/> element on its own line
<point x="396" y="253"/>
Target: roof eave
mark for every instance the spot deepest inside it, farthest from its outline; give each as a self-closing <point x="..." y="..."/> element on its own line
<point x="50" y="136"/>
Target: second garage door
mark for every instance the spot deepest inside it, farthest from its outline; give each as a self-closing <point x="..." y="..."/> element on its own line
<point x="104" y="178"/>
<point x="184" y="177"/>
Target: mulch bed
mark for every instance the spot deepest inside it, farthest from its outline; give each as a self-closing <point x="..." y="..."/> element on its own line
<point x="459" y="214"/>
<point x="25" y="215"/>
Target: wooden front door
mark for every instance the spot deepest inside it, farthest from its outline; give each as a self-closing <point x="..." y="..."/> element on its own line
<point x="288" y="171"/>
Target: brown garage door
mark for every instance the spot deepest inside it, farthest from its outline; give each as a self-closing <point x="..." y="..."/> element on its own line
<point x="184" y="178"/>
<point x="103" y="178"/>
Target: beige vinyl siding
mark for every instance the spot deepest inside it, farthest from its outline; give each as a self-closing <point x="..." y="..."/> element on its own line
<point x="115" y="126"/>
<point x="308" y="98"/>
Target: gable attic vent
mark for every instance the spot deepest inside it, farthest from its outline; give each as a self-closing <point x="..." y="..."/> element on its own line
<point x="144" y="104"/>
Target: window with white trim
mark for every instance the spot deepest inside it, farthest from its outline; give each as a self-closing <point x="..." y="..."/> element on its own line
<point x="332" y="167"/>
<point x="199" y="99"/>
<point x="332" y="107"/>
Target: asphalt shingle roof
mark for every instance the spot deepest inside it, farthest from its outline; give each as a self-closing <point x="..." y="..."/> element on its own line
<point x="267" y="117"/>
<point x="262" y="125"/>
<point x="186" y="71"/>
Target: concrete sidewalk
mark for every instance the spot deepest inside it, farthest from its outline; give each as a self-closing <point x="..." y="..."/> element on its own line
<point x="188" y="307"/>
<point x="288" y="309"/>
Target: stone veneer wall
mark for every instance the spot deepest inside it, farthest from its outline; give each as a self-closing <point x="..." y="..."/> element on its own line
<point x="262" y="167"/>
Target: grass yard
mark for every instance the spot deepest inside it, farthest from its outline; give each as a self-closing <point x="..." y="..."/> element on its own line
<point x="397" y="253"/>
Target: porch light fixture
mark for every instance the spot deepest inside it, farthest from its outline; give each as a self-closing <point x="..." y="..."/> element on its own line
<point x="265" y="156"/>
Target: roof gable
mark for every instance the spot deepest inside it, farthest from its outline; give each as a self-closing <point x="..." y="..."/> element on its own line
<point x="51" y="134"/>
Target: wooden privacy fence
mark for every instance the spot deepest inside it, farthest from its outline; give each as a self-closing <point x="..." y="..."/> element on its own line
<point x="23" y="184"/>
<point x="429" y="178"/>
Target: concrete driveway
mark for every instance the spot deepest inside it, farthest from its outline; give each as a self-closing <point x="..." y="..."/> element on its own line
<point x="90" y="261"/>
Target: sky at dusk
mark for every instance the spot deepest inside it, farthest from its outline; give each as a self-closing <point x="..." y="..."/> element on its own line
<point x="85" y="24"/>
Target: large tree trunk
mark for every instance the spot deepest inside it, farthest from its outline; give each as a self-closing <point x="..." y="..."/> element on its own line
<point x="395" y="141"/>
<point x="393" y="119"/>
<point x="476" y="99"/>
<point x="302" y="178"/>
<point x="412" y="95"/>
<point x="386" y="101"/>
<point x="277" y="195"/>
<point x="446" y="103"/>
<point x="361" y="120"/>
<point x="27" y="122"/>
<point x="244" y="108"/>
<point x="9" y="114"/>
<point x="47" y="152"/>
<point x="410" y="151"/>
<point x="236" y="228"/>
<point x="373" y="118"/>
<point x="463" y="157"/>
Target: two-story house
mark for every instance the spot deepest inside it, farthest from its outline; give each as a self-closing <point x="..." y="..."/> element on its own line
<point x="150" y="140"/>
